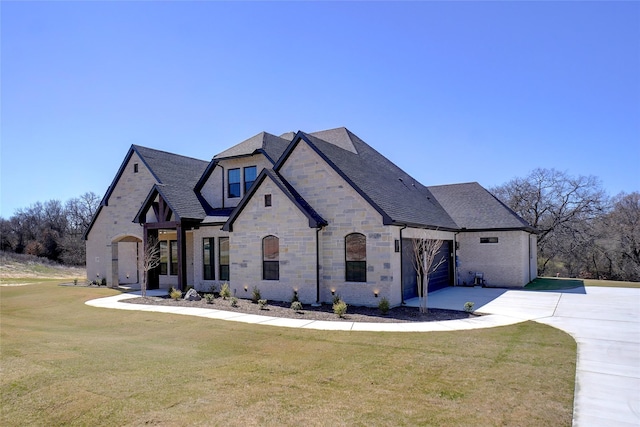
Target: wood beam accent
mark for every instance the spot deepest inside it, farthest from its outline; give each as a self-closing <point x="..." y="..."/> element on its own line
<point x="182" y="257"/>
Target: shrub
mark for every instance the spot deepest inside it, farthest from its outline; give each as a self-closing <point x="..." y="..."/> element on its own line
<point x="225" y="292"/>
<point x="383" y="306"/>
<point x="234" y="302"/>
<point x="175" y="294"/>
<point x="263" y="304"/>
<point x="336" y="299"/>
<point x="209" y="298"/>
<point x="103" y="282"/>
<point x="75" y="282"/>
<point x="340" y="308"/>
<point x="294" y="298"/>
<point x="468" y="306"/>
<point x="296" y="306"/>
<point x="255" y="295"/>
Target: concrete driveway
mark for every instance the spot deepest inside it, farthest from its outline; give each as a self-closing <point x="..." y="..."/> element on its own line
<point x="605" y="322"/>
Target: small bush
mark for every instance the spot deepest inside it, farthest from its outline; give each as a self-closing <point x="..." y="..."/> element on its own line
<point x="75" y="282"/>
<point x="296" y="306"/>
<point x="340" y="308"/>
<point x="336" y="299"/>
<point x="103" y="282"/>
<point x="209" y="298"/>
<point x="175" y="294"/>
<point x="263" y="304"/>
<point x="383" y="306"/>
<point x="468" y="306"/>
<point x="234" y="302"/>
<point x="225" y="291"/>
<point x="255" y="295"/>
<point x="294" y="298"/>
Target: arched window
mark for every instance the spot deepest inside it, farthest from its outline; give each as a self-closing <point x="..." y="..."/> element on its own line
<point x="356" y="257"/>
<point x="271" y="258"/>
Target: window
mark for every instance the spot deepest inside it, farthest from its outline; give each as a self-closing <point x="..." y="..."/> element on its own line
<point x="207" y="258"/>
<point x="164" y="257"/>
<point x="135" y="168"/>
<point x="223" y="253"/>
<point x="488" y="240"/>
<point x="267" y="200"/>
<point x="173" y="257"/>
<point x="234" y="183"/>
<point x="270" y="258"/>
<point x="249" y="177"/>
<point x="356" y="257"/>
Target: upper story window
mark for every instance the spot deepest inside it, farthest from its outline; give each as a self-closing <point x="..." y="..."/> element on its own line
<point x="267" y="200"/>
<point x="135" y="168"/>
<point x="250" y="174"/>
<point x="234" y="183"/>
<point x="356" y="257"/>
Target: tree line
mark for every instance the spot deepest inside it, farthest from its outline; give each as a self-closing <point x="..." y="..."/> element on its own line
<point x="582" y="231"/>
<point x="52" y="230"/>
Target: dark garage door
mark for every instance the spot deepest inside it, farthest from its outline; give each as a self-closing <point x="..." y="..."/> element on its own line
<point x="441" y="278"/>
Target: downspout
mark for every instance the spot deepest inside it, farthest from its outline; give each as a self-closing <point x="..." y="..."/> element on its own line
<point x="402" y="268"/>
<point x="318" y="229"/>
<point x="222" y="184"/>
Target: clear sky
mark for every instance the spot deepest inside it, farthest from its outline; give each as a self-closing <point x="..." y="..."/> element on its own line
<point x="450" y="91"/>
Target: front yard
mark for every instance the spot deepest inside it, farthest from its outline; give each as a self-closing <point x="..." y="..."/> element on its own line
<point x="67" y="363"/>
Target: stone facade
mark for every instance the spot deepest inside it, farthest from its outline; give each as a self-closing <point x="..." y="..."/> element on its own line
<point x="510" y="262"/>
<point x="114" y="224"/>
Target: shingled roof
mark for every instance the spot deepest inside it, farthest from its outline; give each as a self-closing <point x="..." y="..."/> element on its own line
<point x="177" y="177"/>
<point x="474" y="208"/>
<point x="398" y="197"/>
<point x="270" y="145"/>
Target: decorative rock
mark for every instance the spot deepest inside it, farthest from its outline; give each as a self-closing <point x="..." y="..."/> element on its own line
<point x="192" y="295"/>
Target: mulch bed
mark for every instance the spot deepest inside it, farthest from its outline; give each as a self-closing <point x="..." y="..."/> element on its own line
<point x="324" y="312"/>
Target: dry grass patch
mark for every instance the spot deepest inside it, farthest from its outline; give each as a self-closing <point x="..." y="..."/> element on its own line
<point x="67" y="363"/>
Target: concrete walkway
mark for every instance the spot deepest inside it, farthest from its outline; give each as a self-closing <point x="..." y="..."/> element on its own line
<point x="605" y="322"/>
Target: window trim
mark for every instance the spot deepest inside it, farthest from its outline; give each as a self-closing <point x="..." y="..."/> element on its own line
<point x="223" y="272"/>
<point x="211" y="265"/>
<point x="234" y="183"/>
<point x="492" y="239"/>
<point x="266" y="272"/>
<point x="244" y="177"/>
<point x="173" y="264"/>
<point x="355" y="271"/>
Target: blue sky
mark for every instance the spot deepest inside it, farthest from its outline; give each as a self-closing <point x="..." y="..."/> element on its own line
<point x="451" y="92"/>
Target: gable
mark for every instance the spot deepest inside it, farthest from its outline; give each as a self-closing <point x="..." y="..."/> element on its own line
<point x="288" y="197"/>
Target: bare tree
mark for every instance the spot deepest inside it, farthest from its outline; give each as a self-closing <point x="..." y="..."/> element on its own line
<point x="150" y="259"/>
<point x="425" y="252"/>
<point x="558" y="205"/>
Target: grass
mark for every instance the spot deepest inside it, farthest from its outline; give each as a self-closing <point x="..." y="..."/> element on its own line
<point x="65" y="363"/>
<point x="559" y="283"/>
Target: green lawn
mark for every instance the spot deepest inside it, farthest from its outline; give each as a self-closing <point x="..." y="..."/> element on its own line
<point x="560" y="283"/>
<point x="65" y="363"/>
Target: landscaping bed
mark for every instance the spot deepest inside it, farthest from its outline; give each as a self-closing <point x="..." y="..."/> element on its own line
<point x="309" y="312"/>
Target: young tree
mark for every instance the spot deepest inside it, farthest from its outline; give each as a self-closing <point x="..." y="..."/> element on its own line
<point x="150" y="259"/>
<point x="425" y="252"/>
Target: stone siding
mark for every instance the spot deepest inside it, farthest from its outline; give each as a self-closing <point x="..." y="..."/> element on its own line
<point x="346" y="212"/>
<point x="505" y="263"/>
<point x="115" y="222"/>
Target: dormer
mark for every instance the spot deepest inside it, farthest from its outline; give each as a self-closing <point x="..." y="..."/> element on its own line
<point x="232" y="172"/>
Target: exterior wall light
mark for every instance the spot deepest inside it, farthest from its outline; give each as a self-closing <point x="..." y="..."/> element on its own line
<point x="375" y="294"/>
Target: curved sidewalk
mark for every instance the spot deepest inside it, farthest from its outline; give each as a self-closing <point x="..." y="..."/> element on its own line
<point x="605" y="322"/>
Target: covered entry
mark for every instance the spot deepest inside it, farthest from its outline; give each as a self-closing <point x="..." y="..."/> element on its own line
<point x="439" y="279"/>
<point x="125" y="256"/>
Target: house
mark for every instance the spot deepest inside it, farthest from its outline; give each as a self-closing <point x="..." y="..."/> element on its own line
<point x="318" y="213"/>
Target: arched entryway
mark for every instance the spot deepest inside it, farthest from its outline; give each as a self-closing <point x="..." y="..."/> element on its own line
<point x="125" y="255"/>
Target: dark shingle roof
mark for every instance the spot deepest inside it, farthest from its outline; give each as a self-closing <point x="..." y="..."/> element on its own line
<point x="177" y="177"/>
<point x="474" y="208"/>
<point x="396" y="195"/>
<point x="271" y="145"/>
